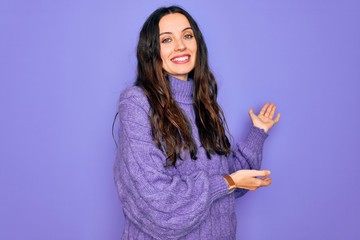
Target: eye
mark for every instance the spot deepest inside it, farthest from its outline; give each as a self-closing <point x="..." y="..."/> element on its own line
<point x="166" y="40"/>
<point x="188" y="36"/>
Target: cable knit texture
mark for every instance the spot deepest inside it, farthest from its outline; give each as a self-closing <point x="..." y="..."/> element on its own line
<point x="190" y="201"/>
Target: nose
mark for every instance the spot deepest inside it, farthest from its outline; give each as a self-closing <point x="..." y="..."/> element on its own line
<point x="180" y="46"/>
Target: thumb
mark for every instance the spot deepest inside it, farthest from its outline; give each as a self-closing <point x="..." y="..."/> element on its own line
<point x="251" y="113"/>
<point x="261" y="173"/>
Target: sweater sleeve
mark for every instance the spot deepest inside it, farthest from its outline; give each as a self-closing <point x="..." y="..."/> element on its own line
<point x="248" y="154"/>
<point x="158" y="200"/>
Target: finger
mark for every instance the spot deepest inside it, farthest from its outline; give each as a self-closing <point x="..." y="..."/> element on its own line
<point x="261" y="182"/>
<point x="266" y="182"/>
<point x="251" y="112"/>
<point x="277" y="118"/>
<point x="258" y="182"/>
<point x="263" y="109"/>
<point x="272" y="112"/>
<point x="266" y="179"/>
<point x="252" y="115"/>
<point x="254" y="184"/>
<point x="268" y="110"/>
<point x="260" y="173"/>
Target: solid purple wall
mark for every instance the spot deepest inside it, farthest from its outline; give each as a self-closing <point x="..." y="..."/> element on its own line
<point x="63" y="65"/>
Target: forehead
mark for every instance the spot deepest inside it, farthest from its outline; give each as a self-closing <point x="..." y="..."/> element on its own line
<point x="173" y="22"/>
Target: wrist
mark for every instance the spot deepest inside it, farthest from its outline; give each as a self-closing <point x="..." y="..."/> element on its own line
<point x="230" y="182"/>
<point x="262" y="128"/>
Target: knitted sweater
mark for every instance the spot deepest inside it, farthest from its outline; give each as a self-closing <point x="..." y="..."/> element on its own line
<point x="190" y="201"/>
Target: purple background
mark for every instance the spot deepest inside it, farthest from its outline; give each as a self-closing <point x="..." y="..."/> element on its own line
<point x="64" y="63"/>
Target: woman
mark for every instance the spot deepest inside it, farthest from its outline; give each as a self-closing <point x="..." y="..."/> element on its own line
<point x="176" y="173"/>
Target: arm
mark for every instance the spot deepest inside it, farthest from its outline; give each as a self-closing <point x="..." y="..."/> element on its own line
<point x="248" y="155"/>
<point x="157" y="199"/>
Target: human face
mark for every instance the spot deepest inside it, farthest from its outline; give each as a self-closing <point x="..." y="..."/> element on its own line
<point x="177" y="45"/>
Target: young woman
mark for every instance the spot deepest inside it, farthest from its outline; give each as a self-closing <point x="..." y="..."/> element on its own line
<point x="176" y="174"/>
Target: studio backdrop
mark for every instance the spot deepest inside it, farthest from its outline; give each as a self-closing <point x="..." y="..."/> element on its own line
<point x="63" y="65"/>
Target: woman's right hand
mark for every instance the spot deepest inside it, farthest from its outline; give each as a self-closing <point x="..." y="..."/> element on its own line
<point x="251" y="179"/>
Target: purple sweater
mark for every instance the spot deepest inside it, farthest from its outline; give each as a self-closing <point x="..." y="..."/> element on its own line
<point x="190" y="201"/>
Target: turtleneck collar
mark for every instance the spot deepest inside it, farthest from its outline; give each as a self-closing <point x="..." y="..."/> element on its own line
<point x="182" y="91"/>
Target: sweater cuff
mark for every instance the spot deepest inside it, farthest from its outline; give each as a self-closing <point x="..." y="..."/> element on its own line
<point x="218" y="187"/>
<point x="256" y="138"/>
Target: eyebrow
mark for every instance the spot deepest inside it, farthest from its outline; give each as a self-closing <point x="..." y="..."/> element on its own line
<point x="172" y="33"/>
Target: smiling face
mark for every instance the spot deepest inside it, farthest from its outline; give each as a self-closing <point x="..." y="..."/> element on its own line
<point x="177" y="45"/>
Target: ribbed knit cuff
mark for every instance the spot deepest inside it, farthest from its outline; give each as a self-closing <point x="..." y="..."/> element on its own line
<point x="218" y="187"/>
<point x="256" y="138"/>
<point x="239" y="192"/>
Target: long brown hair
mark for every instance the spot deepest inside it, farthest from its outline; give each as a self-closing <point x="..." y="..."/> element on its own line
<point x="171" y="130"/>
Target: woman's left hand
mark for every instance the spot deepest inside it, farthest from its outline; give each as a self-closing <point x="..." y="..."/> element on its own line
<point x="264" y="119"/>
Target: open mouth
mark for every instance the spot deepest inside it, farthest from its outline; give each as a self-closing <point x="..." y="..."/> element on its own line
<point x="181" y="59"/>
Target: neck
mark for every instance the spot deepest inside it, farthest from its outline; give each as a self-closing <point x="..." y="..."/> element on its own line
<point x="182" y="90"/>
<point x="183" y="77"/>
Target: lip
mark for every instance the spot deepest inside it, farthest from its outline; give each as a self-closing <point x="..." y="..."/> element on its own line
<point x="185" y="60"/>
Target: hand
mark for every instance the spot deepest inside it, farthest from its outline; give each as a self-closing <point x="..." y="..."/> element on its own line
<point x="264" y="120"/>
<point x="248" y="179"/>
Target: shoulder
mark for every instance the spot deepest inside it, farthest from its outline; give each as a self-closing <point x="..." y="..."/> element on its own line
<point x="133" y="93"/>
<point x="133" y="103"/>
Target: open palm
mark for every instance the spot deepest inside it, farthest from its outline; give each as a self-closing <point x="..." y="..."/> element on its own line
<point x="264" y="119"/>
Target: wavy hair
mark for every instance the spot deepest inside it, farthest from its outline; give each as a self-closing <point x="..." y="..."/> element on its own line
<point x="171" y="130"/>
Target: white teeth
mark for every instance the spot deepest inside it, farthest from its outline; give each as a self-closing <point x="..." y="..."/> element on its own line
<point x="180" y="59"/>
